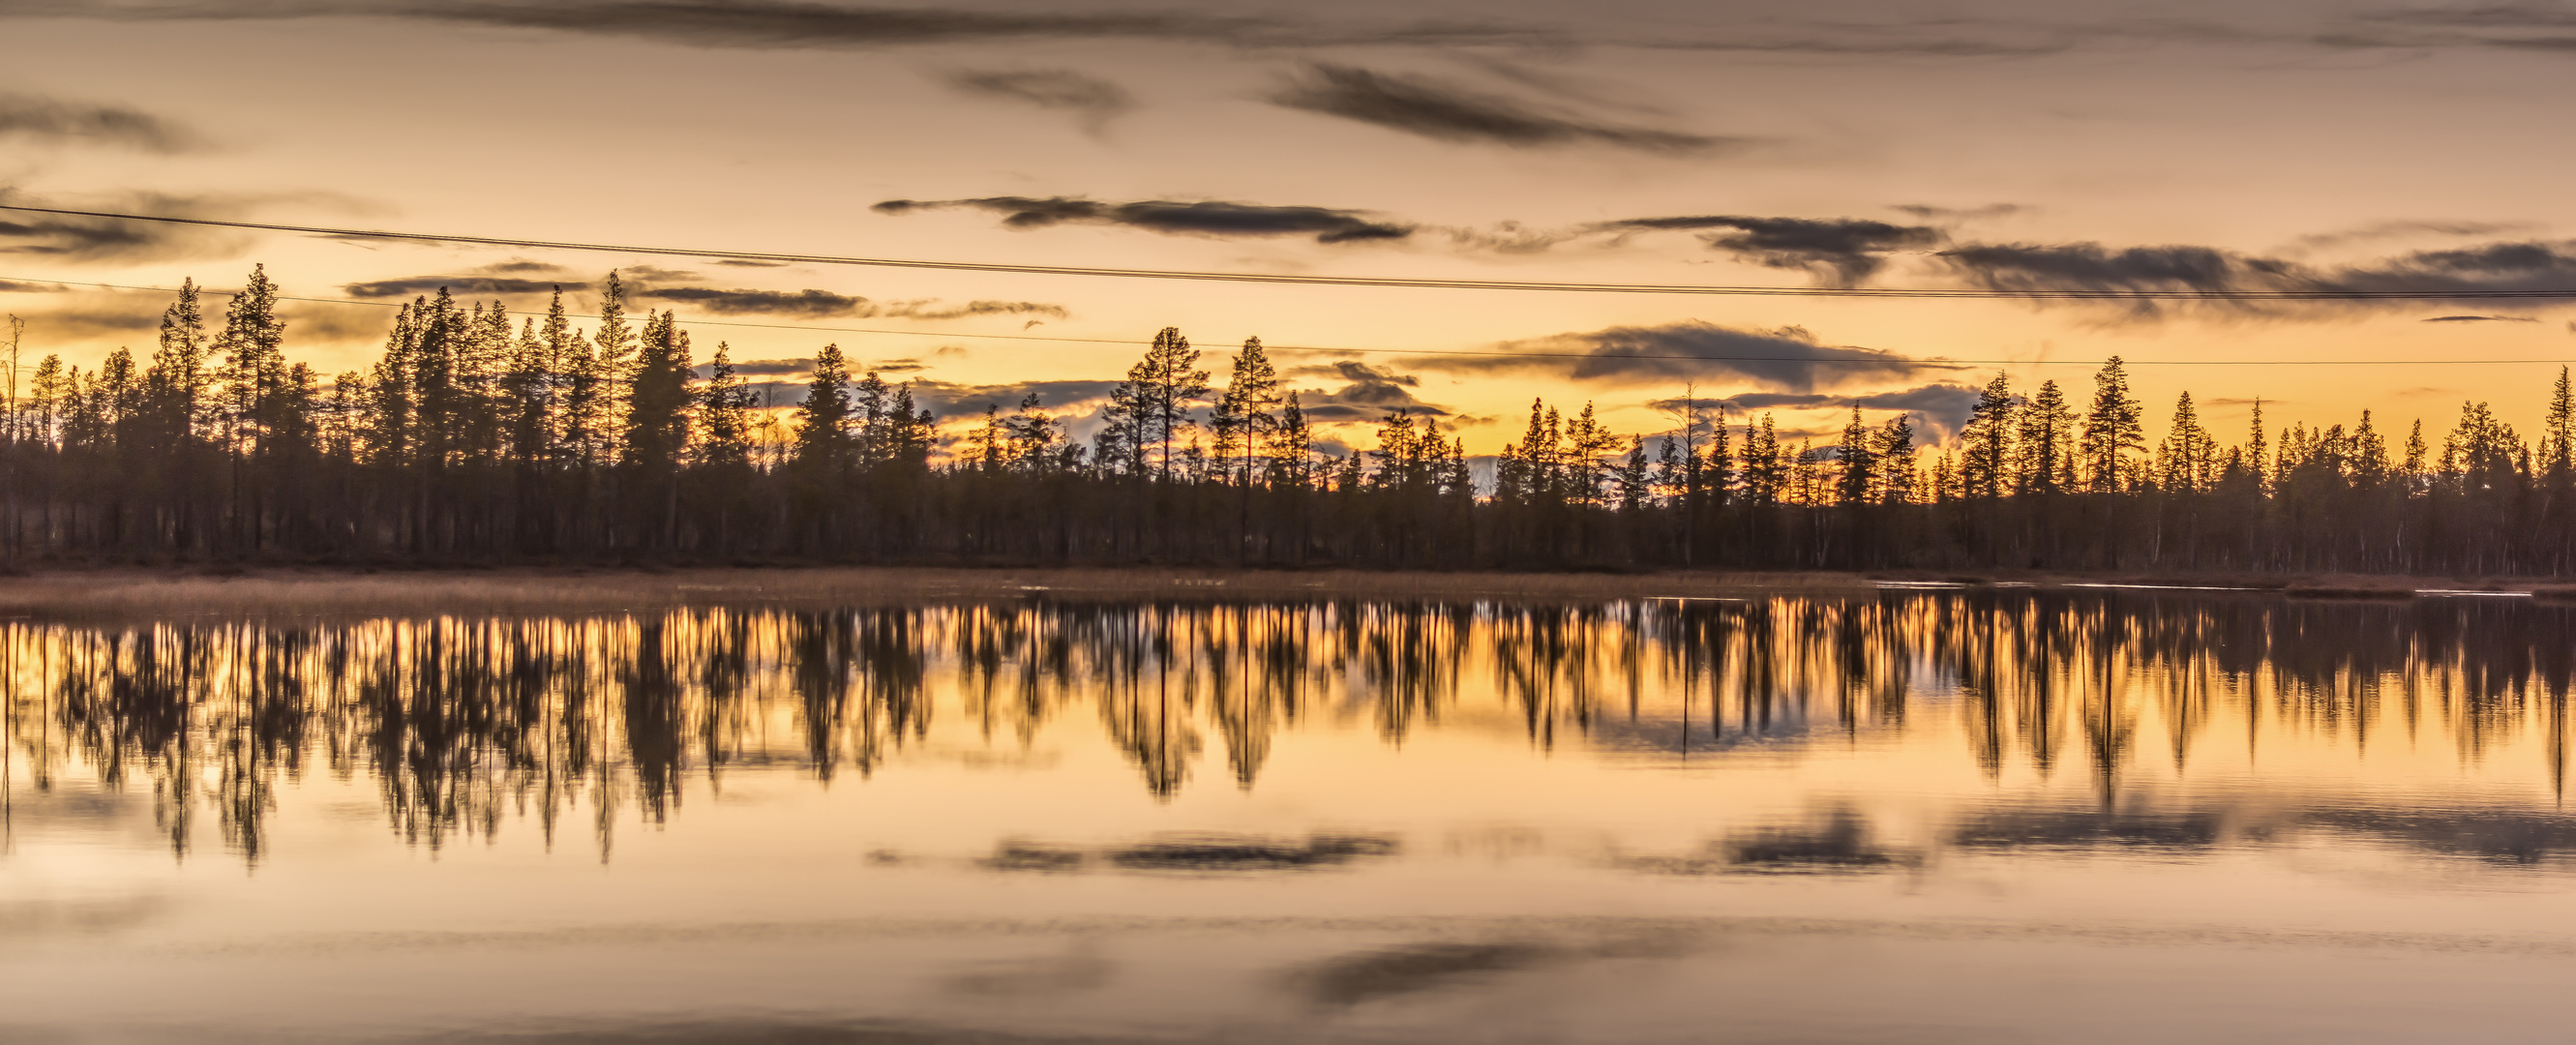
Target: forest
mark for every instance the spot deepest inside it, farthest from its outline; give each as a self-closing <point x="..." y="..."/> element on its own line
<point x="474" y="440"/>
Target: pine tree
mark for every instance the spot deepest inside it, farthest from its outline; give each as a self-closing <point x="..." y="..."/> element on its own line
<point x="179" y="366"/>
<point x="1290" y="447"/>
<point x="1246" y="414"/>
<point x="823" y="418"/>
<point x="657" y="412"/>
<point x="2112" y="429"/>
<point x="2044" y="458"/>
<point x="2258" y="461"/>
<point x="1162" y="387"/>
<point x="1766" y="476"/>
<point x="1857" y="482"/>
<point x="1985" y="467"/>
<point x="1896" y="468"/>
<point x="253" y="341"/>
<point x="2558" y="434"/>
<point x="2187" y="460"/>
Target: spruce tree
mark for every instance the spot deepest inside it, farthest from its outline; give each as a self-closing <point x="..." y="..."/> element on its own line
<point x="2112" y="429"/>
<point x="1896" y="469"/>
<point x="2043" y="445"/>
<point x="1985" y="467"/>
<point x="823" y="418"/>
<point x="1859" y="476"/>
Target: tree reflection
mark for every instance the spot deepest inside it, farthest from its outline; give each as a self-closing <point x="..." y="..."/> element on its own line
<point x="462" y="724"/>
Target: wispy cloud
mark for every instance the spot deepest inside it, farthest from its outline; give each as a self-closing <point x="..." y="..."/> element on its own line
<point x="1367" y="394"/>
<point x="63" y="237"/>
<point x="2208" y="278"/>
<point x="35" y="118"/>
<point x="1443" y="111"/>
<point x="1787" y="359"/>
<point x="1839" y="251"/>
<point x="1213" y="218"/>
<point x="1093" y="100"/>
<point x="1940" y="409"/>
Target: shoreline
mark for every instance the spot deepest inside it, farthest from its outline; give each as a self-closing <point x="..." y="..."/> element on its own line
<point x="167" y="592"/>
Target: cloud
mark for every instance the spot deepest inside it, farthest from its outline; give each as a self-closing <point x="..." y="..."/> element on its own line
<point x="768" y="367"/>
<point x="2209" y="276"/>
<point x="459" y="286"/>
<point x="1172" y="218"/>
<point x="13" y="286"/>
<point x="1367" y="394"/>
<point x="823" y="304"/>
<point x="70" y="238"/>
<point x="30" y="117"/>
<point x="791" y="24"/>
<point x="1094" y="100"/>
<point x="1437" y="110"/>
<point x="2401" y="229"/>
<point x="1939" y="409"/>
<point x="795" y="304"/>
<point x="1788" y="359"/>
<point x="1839" y="251"/>
<point x="107" y="318"/>
<point x="1927" y="212"/>
<point x="2481" y="319"/>
<point x="955" y="401"/>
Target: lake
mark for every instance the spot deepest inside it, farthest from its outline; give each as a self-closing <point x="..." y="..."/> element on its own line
<point x="1977" y="815"/>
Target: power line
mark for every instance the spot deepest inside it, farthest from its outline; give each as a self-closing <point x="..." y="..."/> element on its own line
<point x="1324" y="349"/>
<point x="1352" y="281"/>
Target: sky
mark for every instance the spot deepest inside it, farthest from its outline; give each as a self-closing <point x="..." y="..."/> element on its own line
<point x="1979" y="144"/>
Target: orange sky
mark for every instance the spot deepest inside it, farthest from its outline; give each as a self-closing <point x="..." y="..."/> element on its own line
<point x="2361" y="145"/>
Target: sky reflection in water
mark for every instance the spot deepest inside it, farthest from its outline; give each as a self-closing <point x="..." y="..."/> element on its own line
<point x="1926" y="816"/>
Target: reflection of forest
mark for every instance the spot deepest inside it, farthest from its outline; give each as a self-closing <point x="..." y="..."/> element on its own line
<point x="460" y="722"/>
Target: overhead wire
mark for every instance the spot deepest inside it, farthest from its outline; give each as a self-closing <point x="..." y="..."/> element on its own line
<point x="1863" y="361"/>
<point x="2320" y="294"/>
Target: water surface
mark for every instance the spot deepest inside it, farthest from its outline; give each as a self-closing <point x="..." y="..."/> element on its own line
<point x="1922" y="816"/>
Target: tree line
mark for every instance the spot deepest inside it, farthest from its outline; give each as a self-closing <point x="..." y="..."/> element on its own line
<point x="476" y="439"/>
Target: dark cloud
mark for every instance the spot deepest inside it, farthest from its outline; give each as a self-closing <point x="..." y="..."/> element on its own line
<point x="1839" y="251"/>
<point x="510" y="278"/>
<point x="1787" y="359"/>
<point x="522" y="267"/>
<point x="1927" y="212"/>
<point x="789" y="24"/>
<point x="1939" y="409"/>
<point x="2384" y="230"/>
<point x="67" y="238"/>
<point x="656" y="273"/>
<point x="2524" y="266"/>
<point x="953" y="401"/>
<point x="768" y="367"/>
<point x="1434" y="109"/>
<point x="1094" y="100"/>
<point x="794" y="304"/>
<point x="1196" y="218"/>
<point x="460" y="286"/>
<point x="12" y="286"/>
<point x="2209" y="277"/>
<point x="30" y="117"/>
<point x="1367" y="394"/>
<point x="2481" y="319"/>
<point x="101" y="319"/>
<point x="823" y="304"/>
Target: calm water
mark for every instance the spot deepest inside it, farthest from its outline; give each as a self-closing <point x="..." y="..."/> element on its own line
<point x="1921" y="817"/>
